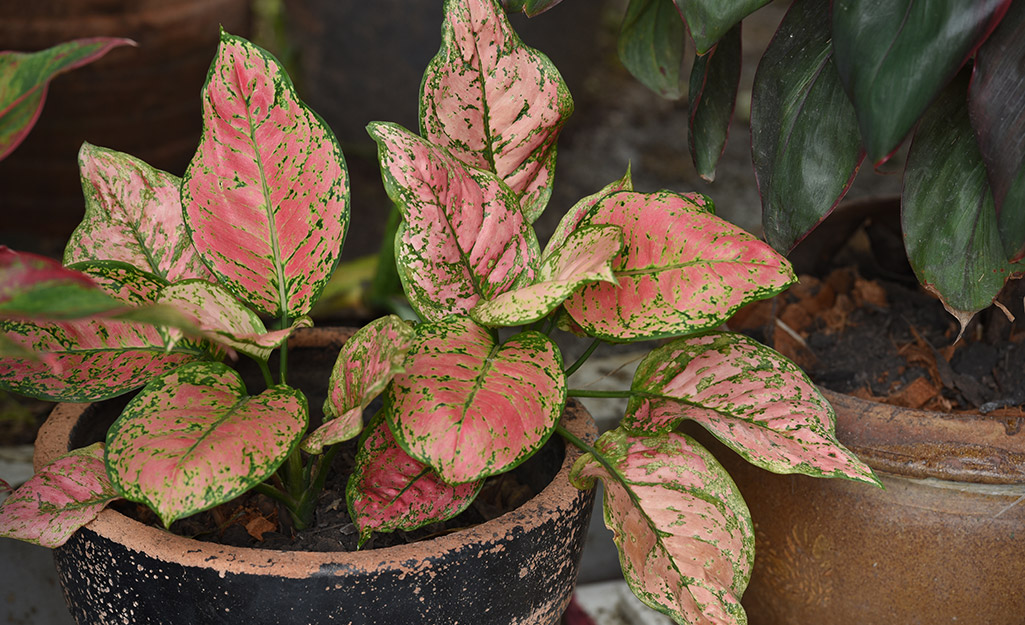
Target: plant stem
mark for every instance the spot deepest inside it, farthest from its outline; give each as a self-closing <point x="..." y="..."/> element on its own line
<point x="583" y="358"/>
<point x="266" y="489"/>
<point x="583" y="392"/>
<point x="302" y="513"/>
<point x="265" y="370"/>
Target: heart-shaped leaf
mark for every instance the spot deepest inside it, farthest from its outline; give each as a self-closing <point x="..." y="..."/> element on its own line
<point x="133" y="213"/>
<point x="464" y="238"/>
<point x="365" y="365"/>
<point x="682" y="269"/>
<point x="266" y="195"/>
<point x="495" y="103"/>
<point x="714" y="80"/>
<point x="471" y="408"/>
<point x="25" y="78"/>
<point x="388" y="490"/>
<point x="947" y="211"/>
<point x="996" y="102"/>
<point x="710" y="20"/>
<point x="571" y="220"/>
<point x="805" y="142"/>
<point x="585" y="257"/>
<point x="193" y="439"/>
<point x="751" y="398"/>
<point x="685" y="538"/>
<point x="62" y="497"/>
<point x="895" y="56"/>
<point x="651" y="45"/>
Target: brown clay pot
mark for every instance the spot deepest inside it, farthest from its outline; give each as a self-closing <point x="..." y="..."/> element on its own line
<point x="941" y="543"/>
<point x="518" y="568"/>
<point x="144" y="101"/>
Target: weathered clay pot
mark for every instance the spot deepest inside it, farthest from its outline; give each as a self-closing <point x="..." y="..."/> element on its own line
<point x="518" y="568"/>
<point x="942" y="543"/>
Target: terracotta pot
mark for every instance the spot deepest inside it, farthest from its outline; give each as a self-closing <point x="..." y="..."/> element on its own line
<point x="518" y="568"/>
<point x="942" y="543"/>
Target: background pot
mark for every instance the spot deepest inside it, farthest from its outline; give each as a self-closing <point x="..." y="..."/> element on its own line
<point x="518" y="568"/>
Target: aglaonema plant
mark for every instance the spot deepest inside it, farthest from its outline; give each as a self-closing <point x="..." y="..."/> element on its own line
<point x="472" y="389"/>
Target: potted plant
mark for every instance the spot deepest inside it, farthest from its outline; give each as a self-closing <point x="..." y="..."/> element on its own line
<point x="841" y="81"/>
<point x="472" y="389"/>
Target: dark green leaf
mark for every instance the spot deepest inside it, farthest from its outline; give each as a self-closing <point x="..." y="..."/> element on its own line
<point x="948" y="214"/>
<point x="996" y="102"/>
<point x="895" y="56"/>
<point x="710" y="20"/>
<point x="529" y="7"/>
<point x="804" y="134"/>
<point x="651" y="45"/>
<point x="713" y="92"/>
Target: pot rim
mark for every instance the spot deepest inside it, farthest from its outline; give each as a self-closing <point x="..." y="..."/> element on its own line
<point x="556" y="499"/>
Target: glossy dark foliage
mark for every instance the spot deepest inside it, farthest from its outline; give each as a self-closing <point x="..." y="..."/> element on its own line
<point x="714" y="80"/>
<point x="652" y="44"/>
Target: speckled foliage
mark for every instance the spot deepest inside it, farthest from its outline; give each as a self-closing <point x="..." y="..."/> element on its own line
<point x="495" y="103"/>
<point x="265" y="196"/>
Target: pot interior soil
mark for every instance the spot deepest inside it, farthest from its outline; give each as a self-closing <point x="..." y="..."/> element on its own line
<point x="859" y="323"/>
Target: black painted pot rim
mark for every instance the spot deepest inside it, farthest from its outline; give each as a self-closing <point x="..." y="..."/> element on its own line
<point x="557" y="499"/>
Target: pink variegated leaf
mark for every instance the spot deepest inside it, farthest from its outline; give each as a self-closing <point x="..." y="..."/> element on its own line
<point x="682" y="269"/>
<point x="133" y="213"/>
<point x="571" y="220"/>
<point x="471" y="408"/>
<point x="25" y="78"/>
<point x="685" y="538"/>
<point x="34" y="287"/>
<point x="585" y="257"/>
<point x="193" y="439"/>
<point x="495" y="103"/>
<point x="5" y="487"/>
<point x="365" y="365"/>
<point x="464" y="238"/>
<point x="65" y="495"/>
<point x="388" y="490"/>
<point x="750" y="397"/>
<point x="266" y="195"/>
<point x="223" y="319"/>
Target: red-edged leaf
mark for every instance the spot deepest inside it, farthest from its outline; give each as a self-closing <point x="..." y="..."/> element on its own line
<point x="495" y="103"/>
<point x="471" y="408"/>
<point x="585" y="257"/>
<point x="751" y="398"/>
<point x="388" y="490"/>
<point x="947" y="211"/>
<point x="266" y="195"/>
<point x="996" y="102"/>
<point x="193" y="439"/>
<point x="682" y="269"/>
<point x="895" y="56"/>
<point x="464" y="238"/>
<point x="685" y="538"/>
<point x="710" y="20"/>
<point x="651" y="45"/>
<point x="714" y="80"/>
<point x="65" y="495"/>
<point x="133" y="213"/>
<point x="365" y="365"/>
<point x="571" y="220"/>
<point x="5" y="487"/>
<point x="805" y="142"/>
<point x="25" y="78"/>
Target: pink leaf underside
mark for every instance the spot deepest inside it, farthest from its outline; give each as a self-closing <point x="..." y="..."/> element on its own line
<point x="93" y="359"/>
<point x="388" y="490"/>
<point x="266" y="195"/>
<point x="571" y="220"/>
<point x="133" y="213"/>
<point x="682" y="269"/>
<point x="750" y="397"/>
<point x="25" y="78"/>
<point x="62" y="497"/>
<point x="365" y="365"/>
<point x="222" y="318"/>
<point x="470" y="408"/>
<point x="463" y="238"/>
<point x="192" y="439"/>
<point x="585" y="257"/>
<point x="495" y="103"/>
<point x="685" y="540"/>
